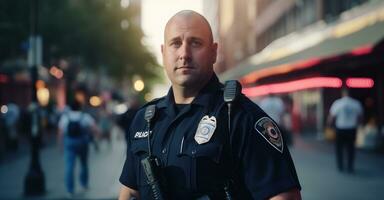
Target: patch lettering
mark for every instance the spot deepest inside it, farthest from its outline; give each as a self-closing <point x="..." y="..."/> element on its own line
<point x="141" y="134"/>
<point x="270" y="132"/>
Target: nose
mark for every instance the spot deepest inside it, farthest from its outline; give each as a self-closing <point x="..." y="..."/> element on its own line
<point x="185" y="52"/>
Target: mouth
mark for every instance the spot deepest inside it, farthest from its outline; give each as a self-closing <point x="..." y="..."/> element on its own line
<point x="184" y="67"/>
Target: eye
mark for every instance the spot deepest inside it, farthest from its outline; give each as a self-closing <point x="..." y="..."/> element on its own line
<point x="196" y="43"/>
<point x="176" y="43"/>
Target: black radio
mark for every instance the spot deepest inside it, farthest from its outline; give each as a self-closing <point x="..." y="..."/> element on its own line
<point x="151" y="164"/>
<point x="152" y="170"/>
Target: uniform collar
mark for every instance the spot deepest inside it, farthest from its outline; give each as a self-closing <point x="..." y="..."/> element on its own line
<point x="204" y="97"/>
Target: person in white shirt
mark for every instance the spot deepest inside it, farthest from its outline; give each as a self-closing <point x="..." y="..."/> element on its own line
<point x="346" y="114"/>
<point x="274" y="107"/>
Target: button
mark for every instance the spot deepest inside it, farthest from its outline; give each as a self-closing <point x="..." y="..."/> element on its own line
<point x="164" y="150"/>
<point x="194" y="152"/>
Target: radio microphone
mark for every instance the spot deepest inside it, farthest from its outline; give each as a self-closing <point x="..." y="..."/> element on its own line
<point x="149" y="113"/>
<point x="148" y="116"/>
<point x="151" y="164"/>
<point x="232" y="89"/>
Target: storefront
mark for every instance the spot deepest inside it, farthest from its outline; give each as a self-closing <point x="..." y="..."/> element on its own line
<point x="311" y="66"/>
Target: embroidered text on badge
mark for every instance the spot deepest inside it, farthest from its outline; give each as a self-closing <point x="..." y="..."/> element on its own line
<point x="205" y="129"/>
<point x="269" y="130"/>
<point x="141" y="134"/>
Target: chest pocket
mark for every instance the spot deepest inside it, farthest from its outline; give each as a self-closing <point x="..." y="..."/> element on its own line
<point x="139" y="147"/>
<point x="211" y="150"/>
<point x="206" y="166"/>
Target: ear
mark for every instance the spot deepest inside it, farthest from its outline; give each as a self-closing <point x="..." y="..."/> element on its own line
<point x="214" y="52"/>
<point x="162" y="49"/>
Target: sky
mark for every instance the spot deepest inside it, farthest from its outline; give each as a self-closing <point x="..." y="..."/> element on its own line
<point x="156" y="13"/>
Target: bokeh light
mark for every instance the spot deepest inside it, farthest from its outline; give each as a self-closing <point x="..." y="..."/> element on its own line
<point x="4" y="109"/>
<point x="139" y="85"/>
<point x="43" y="96"/>
<point x="95" y="101"/>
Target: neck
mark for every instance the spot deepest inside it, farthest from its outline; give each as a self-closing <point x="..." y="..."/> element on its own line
<point x="184" y="95"/>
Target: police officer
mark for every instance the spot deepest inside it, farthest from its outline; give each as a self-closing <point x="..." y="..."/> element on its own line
<point x="201" y="156"/>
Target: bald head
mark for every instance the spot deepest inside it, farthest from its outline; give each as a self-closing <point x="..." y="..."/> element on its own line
<point x="188" y="53"/>
<point x="191" y="17"/>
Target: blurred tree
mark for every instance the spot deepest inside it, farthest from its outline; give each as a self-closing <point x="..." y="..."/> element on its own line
<point x="94" y="33"/>
<point x="14" y="30"/>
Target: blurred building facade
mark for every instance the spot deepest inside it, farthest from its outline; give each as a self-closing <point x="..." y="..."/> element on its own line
<point x="305" y="50"/>
<point x="60" y="80"/>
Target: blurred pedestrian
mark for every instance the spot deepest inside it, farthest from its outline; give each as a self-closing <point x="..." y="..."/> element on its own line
<point x="286" y="122"/>
<point x="345" y="115"/>
<point x="11" y="119"/>
<point x="105" y="124"/>
<point x="76" y="129"/>
<point x="124" y="121"/>
<point x="274" y="106"/>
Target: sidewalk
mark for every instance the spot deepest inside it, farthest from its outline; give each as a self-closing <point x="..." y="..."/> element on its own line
<point x="314" y="159"/>
<point x="316" y="167"/>
<point x="105" y="168"/>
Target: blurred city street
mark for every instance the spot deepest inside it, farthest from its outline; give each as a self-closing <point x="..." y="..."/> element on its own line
<point x="104" y="165"/>
<point x="82" y="69"/>
<point x="314" y="159"/>
<point x="316" y="167"/>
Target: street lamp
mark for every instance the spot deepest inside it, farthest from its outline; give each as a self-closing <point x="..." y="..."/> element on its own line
<point x="34" y="183"/>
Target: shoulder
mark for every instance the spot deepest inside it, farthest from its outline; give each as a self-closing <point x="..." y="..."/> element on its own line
<point x="247" y="113"/>
<point x="87" y="117"/>
<point x="338" y="102"/>
<point x="357" y="102"/>
<point x="335" y="106"/>
<point x="141" y="110"/>
<point x="249" y="108"/>
<point x="358" y="105"/>
<point x="63" y="120"/>
<point x="155" y="101"/>
<point x="64" y="116"/>
<point x="256" y="127"/>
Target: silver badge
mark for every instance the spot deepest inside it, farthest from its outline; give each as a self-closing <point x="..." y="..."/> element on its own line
<point x="205" y="129"/>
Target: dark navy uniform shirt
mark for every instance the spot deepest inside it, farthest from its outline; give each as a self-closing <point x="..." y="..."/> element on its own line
<point x="252" y="155"/>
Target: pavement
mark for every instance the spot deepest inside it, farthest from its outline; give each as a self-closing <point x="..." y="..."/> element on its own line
<point x="314" y="159"/>
<point x="316" y="166"/>
<point x="104" y="170"/>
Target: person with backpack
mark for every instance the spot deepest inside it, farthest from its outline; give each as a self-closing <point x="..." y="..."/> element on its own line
<point x="75" y="132"/>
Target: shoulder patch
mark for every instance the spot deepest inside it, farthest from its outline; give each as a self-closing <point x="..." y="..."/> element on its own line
<point x="270" y="132"/>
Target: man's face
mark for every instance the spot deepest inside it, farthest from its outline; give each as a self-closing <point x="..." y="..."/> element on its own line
<point x="188" y="51"/>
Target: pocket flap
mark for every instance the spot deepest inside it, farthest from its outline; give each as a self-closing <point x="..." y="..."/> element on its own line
<point x="207" y="150"/>
<point x="139" y="146"/>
